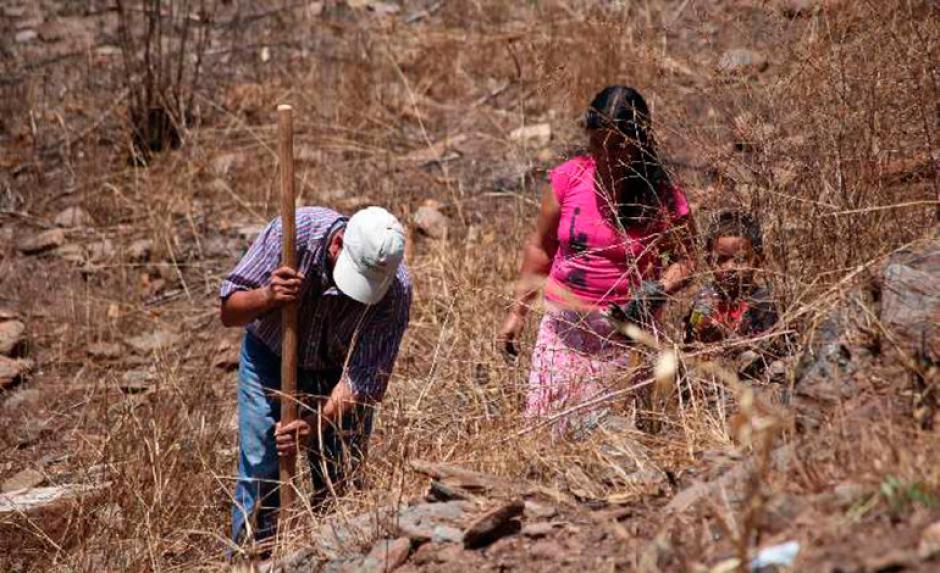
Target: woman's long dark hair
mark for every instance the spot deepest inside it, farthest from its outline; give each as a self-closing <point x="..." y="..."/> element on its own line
<point x="642" y="194"/>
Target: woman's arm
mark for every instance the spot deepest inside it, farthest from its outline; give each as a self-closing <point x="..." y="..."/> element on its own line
<point x="538" y="252"/>
<point x="537" y="255"/>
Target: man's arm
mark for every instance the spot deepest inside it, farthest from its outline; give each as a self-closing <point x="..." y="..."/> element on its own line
<point x="242" y="307"/>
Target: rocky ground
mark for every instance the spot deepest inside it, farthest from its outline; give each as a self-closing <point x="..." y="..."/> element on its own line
<point x="116" y="395"/>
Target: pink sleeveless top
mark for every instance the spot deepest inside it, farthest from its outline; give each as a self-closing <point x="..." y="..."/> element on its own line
<point x="596" y="261"/>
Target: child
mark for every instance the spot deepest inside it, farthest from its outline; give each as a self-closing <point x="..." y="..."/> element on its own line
<point x="733" y="304"/>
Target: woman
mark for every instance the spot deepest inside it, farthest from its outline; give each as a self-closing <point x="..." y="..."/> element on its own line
<point x="610" y="240"/>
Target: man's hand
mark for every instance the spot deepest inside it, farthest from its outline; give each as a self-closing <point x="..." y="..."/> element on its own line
<point x="284" y="288"/>
<point x="286" y="436"/>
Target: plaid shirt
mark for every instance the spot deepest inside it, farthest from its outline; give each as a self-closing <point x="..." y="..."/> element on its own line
<point x="333" y="328"/>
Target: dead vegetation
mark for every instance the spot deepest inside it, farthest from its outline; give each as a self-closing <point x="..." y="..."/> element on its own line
<point x="827" y="129"/>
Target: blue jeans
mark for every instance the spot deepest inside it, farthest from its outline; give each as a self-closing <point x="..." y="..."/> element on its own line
<point x="333" y="460"/>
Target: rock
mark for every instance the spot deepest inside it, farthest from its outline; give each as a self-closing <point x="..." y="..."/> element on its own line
<point x="12" y="336"/>
<point x="910" y="303"/>
<point x="384" y="8"/>
<point x="929" y="547"/>
<point x="40" y="497"/>
<point x="136" y="381"/>
<point x="435" y="152"/>
<point x="41" y="242"/>
<point x="796" y="8"/>
<point x="848" y="493"/>
<point x="140" y="250"/>
<point x="386" y="555"/>
<point x="534" y="510"/>
<point x="892" y="560"/>
<point x="742" y="61"/>
<point x="71" y="252"/>
<point x="226" y="356"/>
<point x="13" y="370"/>
<point x="429" y="521"/>
<point x="493" y="525"/>
<point x="100" y="251"/>
<point x="108" y="51"/>
<point x="73" y="217"/>
<point x="152" y="341"/>
<point x="77" y="30"/>
<point x="537" y="135"/>
<point x="225" y="163"/>
<point x="250" y="232"/>
<point x="21" y="399"/>
<point x="220" y="247"/>
<point x="26" y="36"/>
<point x="431" y="222"/>
<point x="826" y="373"/>
<point x="105" y="350"/>
<point x="538" y="530"/>
<point x="546" y="155"/>
<point x="548" y="550"/>
<point x="24" y="480"/>
<point x="780" y="512"/>
<point x="14" y="11"/>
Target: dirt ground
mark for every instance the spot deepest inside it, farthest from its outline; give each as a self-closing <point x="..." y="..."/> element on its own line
<point x="119" y="393"/>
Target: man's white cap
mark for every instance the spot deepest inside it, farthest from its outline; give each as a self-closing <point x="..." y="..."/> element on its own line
<point x="373" y="247"/>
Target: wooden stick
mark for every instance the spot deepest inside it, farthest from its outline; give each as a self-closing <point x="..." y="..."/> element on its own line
<point x="288" y="464"/>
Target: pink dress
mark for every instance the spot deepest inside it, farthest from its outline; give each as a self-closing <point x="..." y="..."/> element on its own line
<point x="577" y="353"/>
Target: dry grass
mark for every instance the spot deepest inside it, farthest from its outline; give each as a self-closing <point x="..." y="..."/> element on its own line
<point x="841" y="135"/>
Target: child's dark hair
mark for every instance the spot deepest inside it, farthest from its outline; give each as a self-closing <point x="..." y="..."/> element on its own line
<point x="622" y="109"/>
<point x="731" y="223"/>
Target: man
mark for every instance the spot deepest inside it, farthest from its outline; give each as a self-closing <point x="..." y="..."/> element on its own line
<point x="354" y="297"/>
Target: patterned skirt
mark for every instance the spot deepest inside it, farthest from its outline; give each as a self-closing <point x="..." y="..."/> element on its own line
<point x="577" y="357"/>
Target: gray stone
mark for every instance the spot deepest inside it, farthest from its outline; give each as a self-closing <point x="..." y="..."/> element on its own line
<point x="108" y="50"/>
<point x="910" y="303"/>
<point x="39" y="497"/>
<point x="21" y="399"/>
<point x="537" y="135"/>
<point x="826" y="373"/>
<point x="72" y="252"/>
<point x="534" y="510"/>
<point x="41" y="242"/>
<point x="100" y="251"/>
<point x="250" y="232"/>
<point x="220" y="247"/>
<point x="13" y="370"/>
<point x="929" y="546"/>
<point x="73" y="217"/>
<point x="12" y="336"/>
<point x="23" y="480"/>
<point x="538" y="530"/>
<point x="493" y="525"/>
<point x="742" y="61"/>
<point x="135" y="381"/>
<point x="26" y="36"/>
<point x="421" y="522"/>
<point x="151" y="341"/>
<point x="431" y="222"/>
<point x="848" y="494"/>
<point x="386" y="555"/>
<point x="140" y="250"/>
<point x="104" y="350"/>
<point x="224" y="164"/>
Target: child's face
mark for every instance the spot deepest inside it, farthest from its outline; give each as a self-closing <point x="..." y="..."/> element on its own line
<point x="733" y="263"/>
